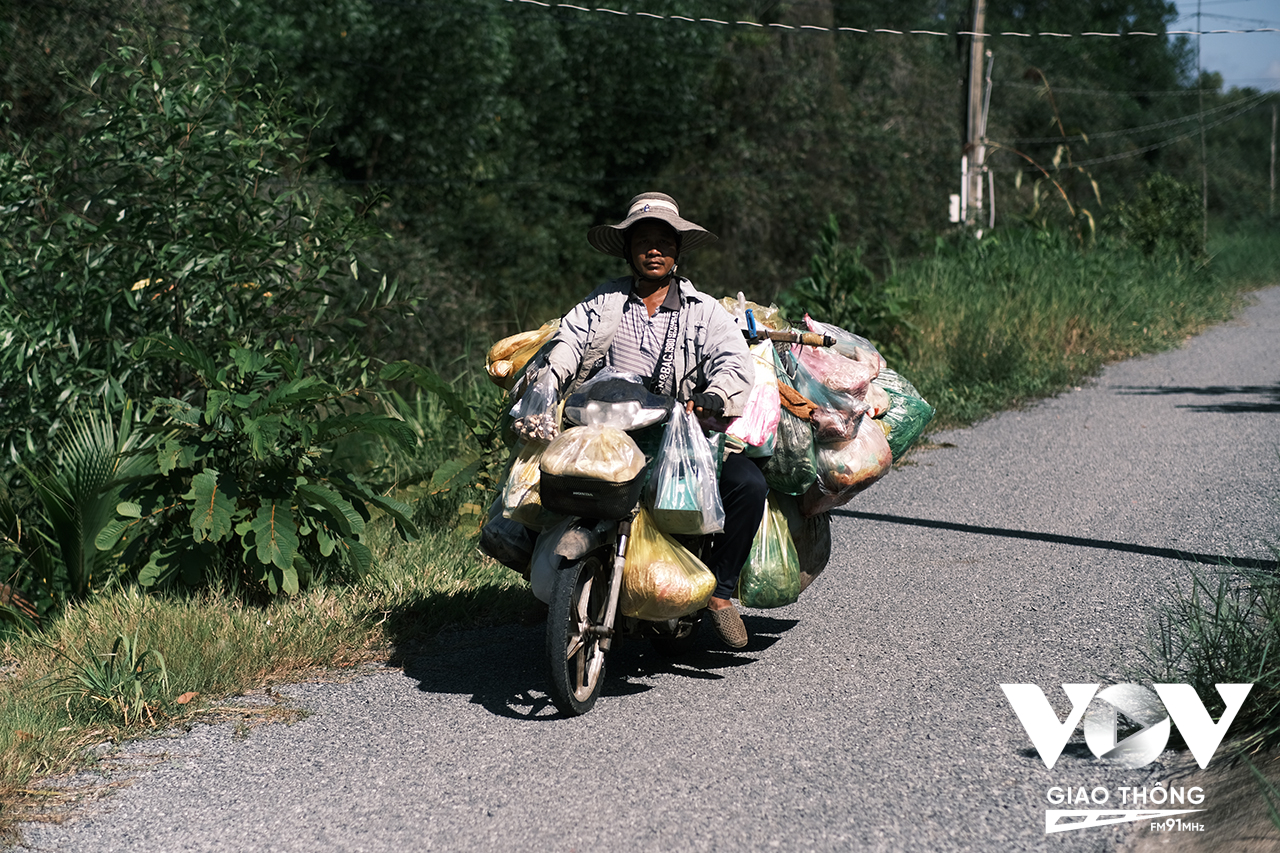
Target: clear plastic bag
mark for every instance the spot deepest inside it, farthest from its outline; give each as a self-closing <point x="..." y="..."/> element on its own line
<point x="812" y="538"/>
<point x="759" y="419"/>
<point x="535" y="416"/>
<point x="810" y="384"/>
<point x="521" y="500"/>
<point x="843" y="375"/>
<point x="545" y="561"/>
<point x="848" y="469"/>
<point x="595" y="453"/>
<point x="848" y="344"/>
<point x="771" y="577"/>
<point x="661" y="579"/>
<point x="770" y="318"/>
<point x="684" y="489"/>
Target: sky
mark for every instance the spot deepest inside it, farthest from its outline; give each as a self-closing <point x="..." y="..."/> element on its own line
<point x="1243" y="59"/>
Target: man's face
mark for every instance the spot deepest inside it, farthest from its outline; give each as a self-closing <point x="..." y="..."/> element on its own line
<point x="653" y="249"/>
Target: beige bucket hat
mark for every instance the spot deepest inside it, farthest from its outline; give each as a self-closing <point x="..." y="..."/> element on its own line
<point x="611" y="239"/>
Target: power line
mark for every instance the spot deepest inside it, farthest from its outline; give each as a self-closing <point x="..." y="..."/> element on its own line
<point x="1139" y="151"/>
<point x="1107" y="134"/>
<point x="876" y="30"/>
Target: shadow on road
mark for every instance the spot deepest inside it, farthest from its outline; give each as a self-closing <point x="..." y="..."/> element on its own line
<point x="504" y="667"/>
<point x="1268" y="396"/>
<point x="1079" y="541"/>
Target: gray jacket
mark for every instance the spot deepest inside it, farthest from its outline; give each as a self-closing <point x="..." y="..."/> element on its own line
<point x="711" y="356"/>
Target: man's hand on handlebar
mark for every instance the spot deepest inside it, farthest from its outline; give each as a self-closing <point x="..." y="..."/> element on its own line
<point x="706" y="404"/>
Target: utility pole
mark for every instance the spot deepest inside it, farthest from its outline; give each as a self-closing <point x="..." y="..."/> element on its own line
<point x="1271" y="207"/>
<point x="1204" y="167"/>
<point x="971" y="161"/>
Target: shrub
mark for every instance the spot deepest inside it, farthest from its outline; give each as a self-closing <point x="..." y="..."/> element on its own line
<point x="240" y="484"/>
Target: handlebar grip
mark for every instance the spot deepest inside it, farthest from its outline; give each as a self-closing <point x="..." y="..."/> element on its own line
<point x="809" y="339"/>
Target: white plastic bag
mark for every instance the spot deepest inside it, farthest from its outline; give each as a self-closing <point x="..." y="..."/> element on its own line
<point x="546" y="562"/>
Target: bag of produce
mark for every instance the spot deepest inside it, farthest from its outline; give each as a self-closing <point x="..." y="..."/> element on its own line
<point x="771" y="577"/>
<point x="812" y="537"/>
<point x="908" y="413"/>
<point x="848" y="344"/>
<point x="535" y="415"/>
<point x="759" y="418"/>
<point x="845" y="376"/>
<point x="906" y="419"/>
<point x="661" y="579"/>
<point x="844" y="408"/>
<point x="508" y="356"/>
<point x="794" y="464"/>
<point x="770" y="318"/>
<point x="592" y="472"/>
<point x="846" y="469"/>
<point x="684" y="491"/>
<point x="521" y="495"/>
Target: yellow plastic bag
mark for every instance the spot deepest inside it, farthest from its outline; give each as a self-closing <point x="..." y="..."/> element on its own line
<point x="521" y="500"/>
<point x="661" y="579"/>
<point x="771" y="577"/>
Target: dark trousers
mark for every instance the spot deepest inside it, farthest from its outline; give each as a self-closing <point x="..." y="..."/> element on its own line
<point x="743" y="490"/>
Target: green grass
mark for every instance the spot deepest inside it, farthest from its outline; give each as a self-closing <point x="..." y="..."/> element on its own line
<point x="1223" y="627"/>
<point x="1026" y="315"/>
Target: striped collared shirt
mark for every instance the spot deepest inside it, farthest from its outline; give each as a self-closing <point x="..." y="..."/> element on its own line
<point x="639" y="338"/>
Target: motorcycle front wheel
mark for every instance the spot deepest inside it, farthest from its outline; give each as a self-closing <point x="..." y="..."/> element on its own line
<point x="579" y="601"/>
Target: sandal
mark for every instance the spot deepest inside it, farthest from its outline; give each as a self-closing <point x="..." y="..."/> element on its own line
<point x="729" y="627"/>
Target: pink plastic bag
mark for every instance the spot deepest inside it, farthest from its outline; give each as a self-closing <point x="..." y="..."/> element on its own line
<point x="848" y="344"/>
<point x="838" y="373"/>
<point x="760" y="415"/>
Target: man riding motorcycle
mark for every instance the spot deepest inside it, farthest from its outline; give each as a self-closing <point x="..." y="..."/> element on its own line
<point x="654" y="323"/>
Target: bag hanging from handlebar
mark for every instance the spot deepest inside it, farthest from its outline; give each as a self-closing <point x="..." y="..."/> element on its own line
<point x="536" y="415"/>
<point x="684" y="490"/>
<point x="661" y="579"/>
<point x="794" y="464"/>
<point x="521" y="497"/>
<point x="759" y="419"/>
<point x="771" y="577"/>
<point x="848" y="344"/>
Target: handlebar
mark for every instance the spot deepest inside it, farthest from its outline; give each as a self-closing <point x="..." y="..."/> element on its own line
<point x="755" y="334"/>
<point x="809" y="339"/>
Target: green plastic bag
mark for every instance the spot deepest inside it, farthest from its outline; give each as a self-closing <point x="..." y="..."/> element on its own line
<point x="907" y="417"/>
<point x="794" y="464"/>
<point x="771" y="577"/>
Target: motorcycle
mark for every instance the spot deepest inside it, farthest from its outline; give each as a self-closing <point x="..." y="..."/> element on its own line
<point x="589" y="553"/>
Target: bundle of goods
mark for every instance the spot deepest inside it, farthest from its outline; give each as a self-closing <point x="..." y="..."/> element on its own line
<point x="508" y="356"/>
<point x="827" y="422"/>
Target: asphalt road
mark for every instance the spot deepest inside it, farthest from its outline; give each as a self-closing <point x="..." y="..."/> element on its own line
<point x="1034" y="547"/>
